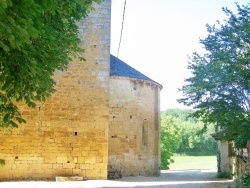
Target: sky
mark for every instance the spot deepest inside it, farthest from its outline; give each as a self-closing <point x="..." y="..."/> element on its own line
<point x="159" y="35"/>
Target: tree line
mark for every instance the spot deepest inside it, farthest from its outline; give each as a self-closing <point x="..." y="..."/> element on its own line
<point x="183" y="134"/>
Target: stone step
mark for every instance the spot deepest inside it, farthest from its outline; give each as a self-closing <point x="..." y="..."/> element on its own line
<point x="68" y="178"/>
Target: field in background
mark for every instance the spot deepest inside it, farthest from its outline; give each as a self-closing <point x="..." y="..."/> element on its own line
<point x="183" y="162"/>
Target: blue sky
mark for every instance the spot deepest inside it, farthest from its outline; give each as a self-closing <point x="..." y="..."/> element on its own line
<point x="159" y="35"/>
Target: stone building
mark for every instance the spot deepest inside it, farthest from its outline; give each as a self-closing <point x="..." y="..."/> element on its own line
<point x="232" y="160"/>
<point x="134" y="121"/>
<point x="103" y="117"/>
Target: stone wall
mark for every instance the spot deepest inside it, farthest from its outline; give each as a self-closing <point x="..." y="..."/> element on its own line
<point x="134" y="140"/>
<point x="233" y="160"/>
<point x="226" y="157"/>
<point x="67" y="135"/>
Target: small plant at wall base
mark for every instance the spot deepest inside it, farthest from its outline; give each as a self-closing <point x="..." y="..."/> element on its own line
<point x="170" y="141"/>
<point x="246" y="181"/>
<point x="226" y="175"/>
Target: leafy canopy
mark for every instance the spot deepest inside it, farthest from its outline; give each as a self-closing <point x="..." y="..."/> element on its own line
<point x="170" y="140"/>
<point x="37" y="37"/>
<point x="219" y="88"/>
<point x="194" y="141"/>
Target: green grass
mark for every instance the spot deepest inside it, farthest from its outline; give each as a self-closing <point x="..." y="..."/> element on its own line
<point x="182" y="162"/>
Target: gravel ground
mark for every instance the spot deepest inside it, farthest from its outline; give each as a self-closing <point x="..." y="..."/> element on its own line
<point x="171" y="179"/>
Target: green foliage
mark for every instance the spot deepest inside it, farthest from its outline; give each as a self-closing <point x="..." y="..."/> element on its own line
<point x="194" y="139"/>
<point x="182" y="115"/>
<point x="245" y="181"/>
<point x="169" y="141"/>
<point x="226" y="175"/>
<point x="219" y="89"/>
<point x="37" y="37"/>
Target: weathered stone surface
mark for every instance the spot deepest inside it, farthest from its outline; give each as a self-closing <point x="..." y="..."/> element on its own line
<point x="67" y="134"/>
<point x="68" y="178"/>
<point x="134" y="130"/>
<point x="114" y="174"/>
<point x="94" y="126"/>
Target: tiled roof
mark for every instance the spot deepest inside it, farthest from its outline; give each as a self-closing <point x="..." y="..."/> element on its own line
<point x="120" y="68"/>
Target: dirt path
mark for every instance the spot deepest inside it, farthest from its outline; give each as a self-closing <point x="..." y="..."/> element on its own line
<point x="171" y="179"/>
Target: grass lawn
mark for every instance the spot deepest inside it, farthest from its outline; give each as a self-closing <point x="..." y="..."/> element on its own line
<point x="182" y="162"/>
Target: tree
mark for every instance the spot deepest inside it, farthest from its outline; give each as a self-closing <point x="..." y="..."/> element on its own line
<point x="193" y="140"/>
<point x="170" y="141"/>
<point x="219" y="88"/>
<point x="37" y="37"/>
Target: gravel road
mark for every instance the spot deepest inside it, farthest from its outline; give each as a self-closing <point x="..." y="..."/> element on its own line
<point x="171" y="179"/>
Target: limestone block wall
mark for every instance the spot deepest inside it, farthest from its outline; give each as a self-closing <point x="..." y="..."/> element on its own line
<point x="67" y="135"/>
<point x="243" y="160"/>
<point x="134" y="140"/>
<point x="227" y="159"/>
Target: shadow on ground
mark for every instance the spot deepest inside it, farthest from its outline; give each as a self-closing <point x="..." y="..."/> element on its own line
<point x="171" y="179"/>
<point x="187" y="178"/>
